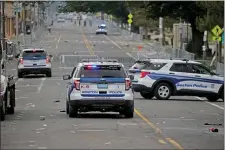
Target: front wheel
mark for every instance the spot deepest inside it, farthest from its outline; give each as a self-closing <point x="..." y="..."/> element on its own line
<point x="49" y="74"/>
<point x="72" y="112"/>
<point x="163" y="91"/>
<point x="67" y="108"/>
<point x="147" y="95"/>
<point x="20" y="75"/>
<point x="3" y="111"/>
<point x="129" y="111"/>
<point x="213" y="98"/>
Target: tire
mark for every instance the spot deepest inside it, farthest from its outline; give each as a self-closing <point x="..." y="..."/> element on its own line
<point x="67" y="108"/>
<point x="213" y="98"/>
<point x="222" y="94"/>
<point x="72" y="112"/>
<point x="105" y="33"/>
<point x="3" y="111"/>
<point x="129" y="112"/>
<point x="49" y="74"/>
<point x="163" y="86"/>
<point x="147" y="95"/>
<point x="20" y="75"/>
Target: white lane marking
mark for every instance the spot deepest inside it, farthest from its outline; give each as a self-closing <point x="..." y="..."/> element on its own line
<point x="210" y="103"/>
<point x="21" y="98"/>
<point x="90" y="130"/>
<point x="119" y="47"/>
<point x="131" y="56"/>
<point x="21" y="86"/>
<point x="41" y="85"/>
<point x="113" y="42"/>
<point x="42" y="147"/>
<point x="58" y="42"/>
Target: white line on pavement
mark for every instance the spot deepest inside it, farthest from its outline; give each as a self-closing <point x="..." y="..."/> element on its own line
<point x="21" y="98"/>
<point x="41" y="85"/>
<point x="58" y="42"/>
<point x="119" y="47"/>
<point x="210" y="103"/>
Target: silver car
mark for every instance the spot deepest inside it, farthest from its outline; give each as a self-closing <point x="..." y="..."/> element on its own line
<point x="34" y="61"/>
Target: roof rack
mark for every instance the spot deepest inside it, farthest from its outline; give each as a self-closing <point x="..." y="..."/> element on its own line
<point x="100" y="60"/>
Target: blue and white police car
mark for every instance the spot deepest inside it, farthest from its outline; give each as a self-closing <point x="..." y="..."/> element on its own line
<point x="101" y="29"/>
<point x="34" y="61"/>
<point x="99" y="86"/>
<point x="163" y="78"/>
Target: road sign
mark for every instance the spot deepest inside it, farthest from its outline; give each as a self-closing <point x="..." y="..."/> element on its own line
<point x="130" y="16"/>
<point x="129" y="21"/>
<point x="217" y="30"/>
<point x="216" y="38"/>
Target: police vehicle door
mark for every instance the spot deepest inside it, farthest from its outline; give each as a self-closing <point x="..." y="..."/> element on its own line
<point x="204" y="81"/>
<point x="179" y="73"/>
<point x="70" y="83"/>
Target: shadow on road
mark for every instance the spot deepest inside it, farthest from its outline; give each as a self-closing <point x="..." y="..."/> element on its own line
<point x="191" y="100"/>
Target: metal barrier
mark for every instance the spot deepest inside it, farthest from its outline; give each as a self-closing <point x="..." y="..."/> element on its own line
<point x="70" y="61"/>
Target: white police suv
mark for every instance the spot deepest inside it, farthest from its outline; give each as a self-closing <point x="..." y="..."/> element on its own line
<point x="34" y="61"/>
<point x="101" y="29"/>
<point x="99" y="86"/>
<point x="136" y="68"/>
<point x="162" y="78"/>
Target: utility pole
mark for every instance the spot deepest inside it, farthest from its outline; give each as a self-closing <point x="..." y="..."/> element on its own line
<point x="204" y="47"/>
<point x="181" y="35"/>
<point x="17" y="24"/>
<point x="161" y="30"/>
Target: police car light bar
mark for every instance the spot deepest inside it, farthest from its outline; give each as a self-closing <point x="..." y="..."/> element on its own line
<point x="100" y="60"/>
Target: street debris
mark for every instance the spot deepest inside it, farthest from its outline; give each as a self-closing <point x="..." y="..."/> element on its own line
<point x="72" y="132"/>
<point x="44" y="125"/>
<point x="56" y="101"/>
<point x="108" y="143"/>
<point x="208" y="124"/>
<point x="213" y="130"/>
<point x="42" y="118"/>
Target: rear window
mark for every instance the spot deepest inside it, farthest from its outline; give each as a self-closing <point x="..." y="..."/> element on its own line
<point x="140" y="65"/>
<point x="38" y="53"/>
<point x="102" y="71"/>
<point x="154" y="66"/>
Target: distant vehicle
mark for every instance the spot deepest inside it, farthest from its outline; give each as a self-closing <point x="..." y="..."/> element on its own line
<point x="99" y="86"/>
<point x="61" y="20"/>
<point x="34" y="61"/>
<point x="101" y="29"/>
<point x="163" y="78"/>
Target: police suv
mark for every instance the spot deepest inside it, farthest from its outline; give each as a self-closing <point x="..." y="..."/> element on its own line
<point x="34" y="61"/>
<point x="101" y="29"/>
<point x="165" y="77"/>
<point x="97" y="85"/>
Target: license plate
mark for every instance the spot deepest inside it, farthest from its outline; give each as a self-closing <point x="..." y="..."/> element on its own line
<point x="102" y="86"/>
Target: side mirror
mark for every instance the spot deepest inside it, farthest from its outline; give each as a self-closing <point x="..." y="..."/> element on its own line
<point x="66" y="77"/>
<point x="17" y="55"/>
<point x="131" y="77"/>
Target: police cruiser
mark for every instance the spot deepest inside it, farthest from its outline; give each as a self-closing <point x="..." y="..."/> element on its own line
<point x="99" y="86"/>
<point x="165" y="77"/>
<point x="101" y="29"/>
<point x="34" y="61"/>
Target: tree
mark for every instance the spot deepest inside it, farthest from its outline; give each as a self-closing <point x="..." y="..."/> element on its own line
<point x="193" y="12"/>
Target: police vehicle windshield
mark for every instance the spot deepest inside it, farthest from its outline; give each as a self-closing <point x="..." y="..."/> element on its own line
<point x="102" y="27"/>
<point x="102" y="71"/>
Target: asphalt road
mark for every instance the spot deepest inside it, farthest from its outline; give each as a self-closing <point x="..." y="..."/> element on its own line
<point x="40" y="121"/>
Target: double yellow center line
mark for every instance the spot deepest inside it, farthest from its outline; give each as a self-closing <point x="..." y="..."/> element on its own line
<point x="89" y="47"/>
